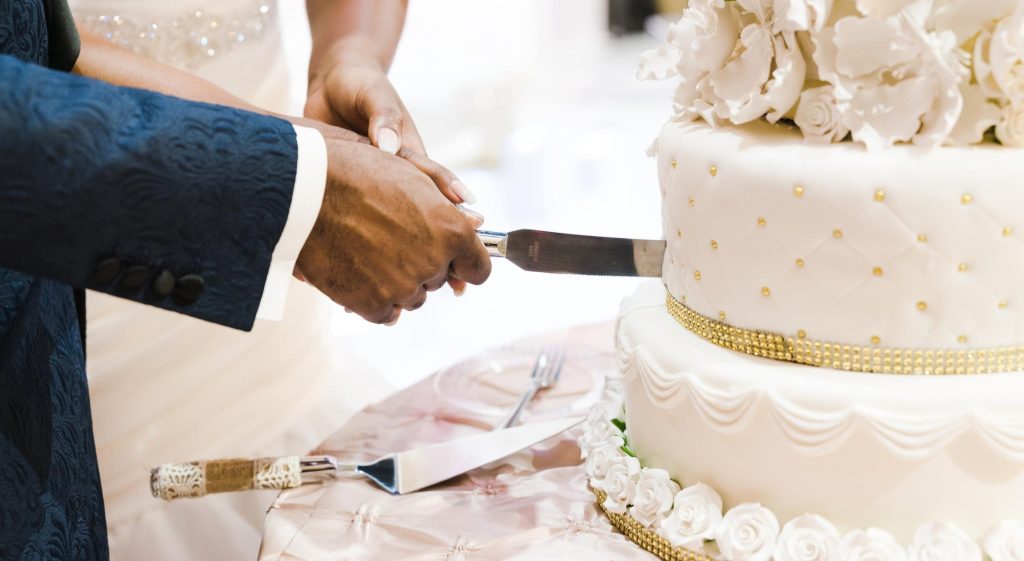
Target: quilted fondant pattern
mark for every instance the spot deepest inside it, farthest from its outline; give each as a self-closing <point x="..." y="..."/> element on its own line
<point x="901" y="248"/>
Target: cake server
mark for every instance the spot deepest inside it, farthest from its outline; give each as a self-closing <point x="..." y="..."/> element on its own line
<point x="398" y="473"/>
<point x="553" y="252"/>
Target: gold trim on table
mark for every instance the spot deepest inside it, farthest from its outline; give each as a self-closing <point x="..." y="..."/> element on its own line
<point x="801" y="349"/>
<point x="646" y="538"/>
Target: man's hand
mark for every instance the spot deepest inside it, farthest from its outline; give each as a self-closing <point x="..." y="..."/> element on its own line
<point x="385" y="236"/>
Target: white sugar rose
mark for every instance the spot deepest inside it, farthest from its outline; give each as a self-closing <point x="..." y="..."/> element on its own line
<point x="598" y="430"/>
<point x="1010" y="130"/>
<point x="895" y="80"/>
<point x="601" y="459"/>
<point x="999" y="58"/>
<point x="871" y="545"/>
<point x="653" y="498"/>
<point x="747" y="532"/>
<point x="696" y="513"/>
<point x="819" y="117"/>
<point x="620" y="483"/>
<point x="808" y="538"/>
<point x="939" y="541"/>
<point x="1006" y="541"/>
<point x="765" y="73"/>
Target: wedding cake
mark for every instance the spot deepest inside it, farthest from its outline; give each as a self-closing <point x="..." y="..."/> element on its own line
<point x="831" y="367"/>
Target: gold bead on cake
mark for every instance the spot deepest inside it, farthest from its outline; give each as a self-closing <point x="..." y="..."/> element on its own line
<point x="798" y="191"/>
<point x="922" y="238"/>
<point x="962" y="268"/>
<point x="877" y="271"/>
<point x="761" y="221"/>
<point x="875" y="339"/>
<point x="696" y="275"/>
<point x="961" y="339"/>
<point x="799" y="262"/>
<point x="837" y="233"/>
<point x="922" y="305"/>
<point x="966" y="199"/>
<point x="1007" y="231"/>
<point x="714" y="244"/>
<point x="765" y="291"/>
<point x="713" y="170"/>
<point x="674" y="163"/>
<point x="879" y="195"/>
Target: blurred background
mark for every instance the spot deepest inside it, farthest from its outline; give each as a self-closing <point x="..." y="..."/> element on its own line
<point x="533" y="103"/>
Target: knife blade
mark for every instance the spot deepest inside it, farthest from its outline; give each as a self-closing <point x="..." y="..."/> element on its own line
<point x="554" y="252"/>
<point x="398" y="473"/>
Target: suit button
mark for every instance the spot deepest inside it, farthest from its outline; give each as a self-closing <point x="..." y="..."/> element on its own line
<point x="107" y="270"/>
<point x="134" y="277"/>
<point x="189" y="288"/>
<point x="163" y="284"/>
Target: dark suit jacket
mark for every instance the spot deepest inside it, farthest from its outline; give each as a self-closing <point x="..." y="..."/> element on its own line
<point x="166" y="202"/>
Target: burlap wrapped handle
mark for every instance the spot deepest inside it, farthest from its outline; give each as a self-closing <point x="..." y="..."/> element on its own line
<point x="198" y="479"/>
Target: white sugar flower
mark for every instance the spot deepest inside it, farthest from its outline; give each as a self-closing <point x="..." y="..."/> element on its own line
<point x="619" y="483"/>
<point x="698" y="44"/>
<point x="747" y="533"/>
<point x="1006" y="541"/>
<point x="818" y="116"/>
<point x="871" y="545"/>
<point x="938" y="541"/>
<point x="601" y="459"/>
<point x="1010" y="130"/>
<point x="653" y="499"/>
<point x="598" y="430"/>
<point x="895" y="80"/>
<point x="765" y="73"/>
<point x="802" y="15"/>
<point x="696" y="513"/>
<point x="808" y="538"/>
<point x="999" y="58"/>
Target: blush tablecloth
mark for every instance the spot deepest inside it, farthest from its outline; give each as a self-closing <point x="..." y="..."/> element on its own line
<point x="533" y="505"/>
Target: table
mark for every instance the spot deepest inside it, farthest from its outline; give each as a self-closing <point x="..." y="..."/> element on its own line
<point x="534" y="504"/>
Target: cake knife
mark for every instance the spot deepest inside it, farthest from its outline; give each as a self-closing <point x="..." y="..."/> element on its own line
<point x="553" y="252"/>
<point x="398" y="473"/>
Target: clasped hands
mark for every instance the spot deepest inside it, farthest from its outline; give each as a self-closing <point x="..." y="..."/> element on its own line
<point x="389" y="230"/>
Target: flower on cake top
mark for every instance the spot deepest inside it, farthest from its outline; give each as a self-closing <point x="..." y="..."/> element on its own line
<point x="653" y="498"/>
<point x="938" y="541"/>
<point x="928" y="72"/>
<point x="696" y="513"/>
<point x="747" y="532"/>
<point x="872" y="544"/>
<point x="1006" y="541"/>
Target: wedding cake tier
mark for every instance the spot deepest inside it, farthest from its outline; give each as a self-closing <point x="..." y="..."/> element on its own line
<point x="906" y="248"/>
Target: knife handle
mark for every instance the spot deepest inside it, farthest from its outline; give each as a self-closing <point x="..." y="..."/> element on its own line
<point x="198" y="479"/>
<point x="495" y="242"/>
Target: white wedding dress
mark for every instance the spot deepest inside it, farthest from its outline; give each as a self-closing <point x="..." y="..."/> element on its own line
<point x="166" y="387"/>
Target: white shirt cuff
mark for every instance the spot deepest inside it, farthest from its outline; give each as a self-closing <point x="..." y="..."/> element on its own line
<point x="307" y="196"/>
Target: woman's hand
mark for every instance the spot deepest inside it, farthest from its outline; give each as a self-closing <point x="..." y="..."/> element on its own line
<point x="349" y="88"/>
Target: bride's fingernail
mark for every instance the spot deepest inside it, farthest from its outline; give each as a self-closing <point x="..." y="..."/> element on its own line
<point x="463" y="192"/>
<point x="387" y="140"/>
<point x="459" y="291"/>
<point x="476" y="217"/>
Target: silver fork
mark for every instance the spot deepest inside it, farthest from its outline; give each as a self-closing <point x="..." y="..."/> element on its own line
<point x="546" y="371"/>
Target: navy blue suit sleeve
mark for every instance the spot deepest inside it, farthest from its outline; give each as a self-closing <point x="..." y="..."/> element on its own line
<point x="124" y="191"/>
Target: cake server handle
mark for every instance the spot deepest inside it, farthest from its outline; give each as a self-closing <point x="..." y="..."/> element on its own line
<point x="495" y="242"/>
<point x="198" y="479"/>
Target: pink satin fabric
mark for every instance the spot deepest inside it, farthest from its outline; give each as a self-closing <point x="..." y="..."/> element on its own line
<point x="533" y="505"/>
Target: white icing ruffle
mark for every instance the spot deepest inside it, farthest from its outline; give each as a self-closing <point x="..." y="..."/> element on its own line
<point x="694" y="519"/>
<point x="817" y="432"/>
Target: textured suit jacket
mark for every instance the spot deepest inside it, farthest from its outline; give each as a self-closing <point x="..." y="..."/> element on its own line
<point x="162" y="201"/>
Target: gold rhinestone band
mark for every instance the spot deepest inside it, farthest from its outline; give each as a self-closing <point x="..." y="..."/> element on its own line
<point x="853" y="358"/>
<point x="646" y="538"/>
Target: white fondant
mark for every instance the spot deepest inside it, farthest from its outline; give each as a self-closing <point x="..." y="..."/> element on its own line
<point x="861" y="450"/>
<point x="842" y="234"/>
<point x="747" y="533"/>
